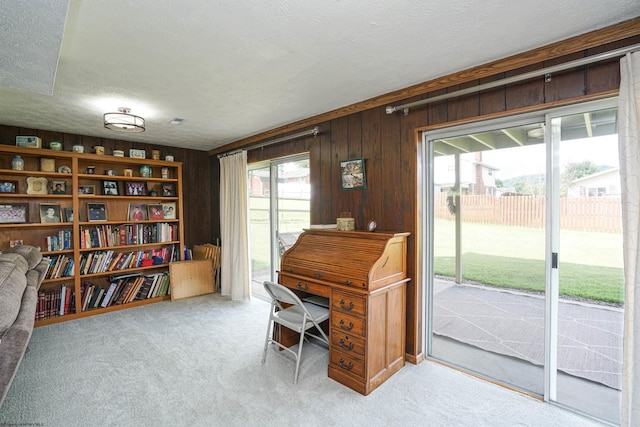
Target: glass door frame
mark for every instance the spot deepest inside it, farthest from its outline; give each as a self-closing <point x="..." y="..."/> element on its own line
<point x="273" y="204"/>
<point x="425" y="249"/>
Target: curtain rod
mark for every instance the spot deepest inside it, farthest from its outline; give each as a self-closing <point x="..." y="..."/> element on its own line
<point x="537" y="73"/>
<point x="315" y="131"/>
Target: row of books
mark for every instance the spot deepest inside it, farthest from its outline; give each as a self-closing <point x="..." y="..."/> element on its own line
<point x="103" y="236"/>
<point x="103" y="261"/>
<point x="59" y="266"/>
<point x="55" y="303"/>
<point x="124" y="290"/>
<point x="60" y="241"/>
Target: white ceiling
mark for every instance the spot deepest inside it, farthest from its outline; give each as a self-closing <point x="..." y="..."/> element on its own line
<point x="235" y="68"/>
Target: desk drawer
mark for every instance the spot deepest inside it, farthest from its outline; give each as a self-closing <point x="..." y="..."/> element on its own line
<point x="349" y="303"/>
<point x="305" y="286"/>
<point x="347" y="363"/>
<point x="347" y="343"/>
<point x="345" y="323"/>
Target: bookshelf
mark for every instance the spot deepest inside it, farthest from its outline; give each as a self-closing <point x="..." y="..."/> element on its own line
<point x="116" y="222"/>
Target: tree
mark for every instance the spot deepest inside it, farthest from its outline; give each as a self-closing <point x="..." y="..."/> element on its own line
<point x="575" y="171"/>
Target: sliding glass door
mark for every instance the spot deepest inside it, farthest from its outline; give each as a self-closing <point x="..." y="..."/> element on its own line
<point x="489" y="253"/>
<point x="279" y="206"/>
<point x="524" y="259"/>
<point x="591" y="281"/>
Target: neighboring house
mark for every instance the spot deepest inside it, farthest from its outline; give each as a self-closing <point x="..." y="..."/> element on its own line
<point x="476" y="177"/>
<point x="604" y="183"/>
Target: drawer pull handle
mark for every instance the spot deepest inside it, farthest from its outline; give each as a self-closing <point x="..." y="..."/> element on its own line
<point x="346" y="347"/>
<point x="319" y="275"/>
<point x="346" y="328"/>
<point x="344" y="307"/>
<point x="305" y="287"/>
<point x="348" y="282"/>
<point x="345" y="367"/>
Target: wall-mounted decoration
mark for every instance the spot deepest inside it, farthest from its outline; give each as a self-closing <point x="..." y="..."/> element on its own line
<point x="352" y="174"/>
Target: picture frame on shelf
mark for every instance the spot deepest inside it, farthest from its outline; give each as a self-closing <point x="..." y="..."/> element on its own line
<point x="14" y="243"/>
<point x="155" y="212"/>
<point x="352" y="174"/>
<point x="169" y="210"/>
<point x="87" y="190"/>
<point x="50" y="213"/>
<point x="58" y="186"/>
<point x="7" y="187"/>
<point x="15" y="213"/>
<point x="37" y="185"/>
<point x="110" y="188"/>
<point x="68" y="214"/>
<point x="135" y="188"/>
<point x="137" y="212"/>
<point x="168" y="189"/>
<point x="97" y="211"/>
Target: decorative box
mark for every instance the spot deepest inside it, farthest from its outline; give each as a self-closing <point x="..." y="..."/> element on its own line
<point x="346" y="224"/>
<point x="28" y="141"/>
<point x="137" y="154"/>
<point x="47" y="165"/>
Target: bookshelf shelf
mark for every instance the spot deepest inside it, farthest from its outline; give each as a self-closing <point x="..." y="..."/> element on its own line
<point x="61" y="241"/>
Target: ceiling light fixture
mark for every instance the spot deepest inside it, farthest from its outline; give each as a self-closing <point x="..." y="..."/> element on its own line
<point x="123" y="121"/>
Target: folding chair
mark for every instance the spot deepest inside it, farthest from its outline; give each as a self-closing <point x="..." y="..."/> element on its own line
<point x="287" y="310"/>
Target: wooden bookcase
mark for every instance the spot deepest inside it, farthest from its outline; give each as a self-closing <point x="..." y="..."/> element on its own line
<point x="115" y="232"/>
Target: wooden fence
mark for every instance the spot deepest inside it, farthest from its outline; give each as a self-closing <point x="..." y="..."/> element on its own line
<point x="601" y="214"/>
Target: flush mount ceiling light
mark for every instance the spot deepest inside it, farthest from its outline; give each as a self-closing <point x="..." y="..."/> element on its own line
<point x="123" y="121"/>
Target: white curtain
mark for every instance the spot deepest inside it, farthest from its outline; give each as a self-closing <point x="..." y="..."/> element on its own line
<point x="235" y="274"/>
<point x="628" y="140"/>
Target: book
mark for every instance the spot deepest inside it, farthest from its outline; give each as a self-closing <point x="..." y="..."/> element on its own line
<point x="109" y="294"/>
<point x="324" y="226"/>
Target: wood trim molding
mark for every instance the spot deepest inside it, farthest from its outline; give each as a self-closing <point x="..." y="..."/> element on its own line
<point x="575" y="44"/>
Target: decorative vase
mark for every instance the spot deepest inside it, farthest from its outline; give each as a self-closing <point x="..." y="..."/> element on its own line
<point x="17" y="163"/>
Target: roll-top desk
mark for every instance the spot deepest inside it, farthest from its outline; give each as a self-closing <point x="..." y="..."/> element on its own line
<point x="364" y="276"/>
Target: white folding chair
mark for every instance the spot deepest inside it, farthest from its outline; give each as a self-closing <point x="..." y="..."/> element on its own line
<point x="287" y="310"/>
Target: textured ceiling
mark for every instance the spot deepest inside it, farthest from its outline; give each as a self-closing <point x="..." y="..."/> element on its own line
<point x="235" y="68"/>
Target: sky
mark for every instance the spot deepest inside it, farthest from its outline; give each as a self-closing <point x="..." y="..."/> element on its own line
<point x="530" y="160"/>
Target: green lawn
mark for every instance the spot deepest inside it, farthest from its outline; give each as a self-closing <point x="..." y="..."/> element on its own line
<point x="294" y="216"/>
<point x="513" y="257"/>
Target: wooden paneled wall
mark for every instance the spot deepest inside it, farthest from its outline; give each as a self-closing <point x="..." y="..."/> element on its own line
<point x="197" y="218"/>
<point x="389" y="142"/>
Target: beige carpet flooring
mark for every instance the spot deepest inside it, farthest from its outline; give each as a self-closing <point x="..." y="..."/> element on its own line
<point x="196" y="362"/>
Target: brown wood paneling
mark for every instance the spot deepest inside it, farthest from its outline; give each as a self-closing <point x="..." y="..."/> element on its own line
<point x="323" y="199"/>
<point x="530" y="92"/>
<point x="371" y="200"/>
<point x="355" y="152"/>
<point x="339" y="151"/>
<point x="465" y="106"/>
<point x="391" y="191"/>
<point x="566" y="84"/>
<point x="492" y="101"/>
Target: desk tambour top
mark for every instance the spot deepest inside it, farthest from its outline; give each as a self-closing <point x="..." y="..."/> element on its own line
<point x="364" y="260"/>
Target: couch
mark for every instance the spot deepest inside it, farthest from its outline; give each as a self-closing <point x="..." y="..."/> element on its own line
<point x="22" y="269"/>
